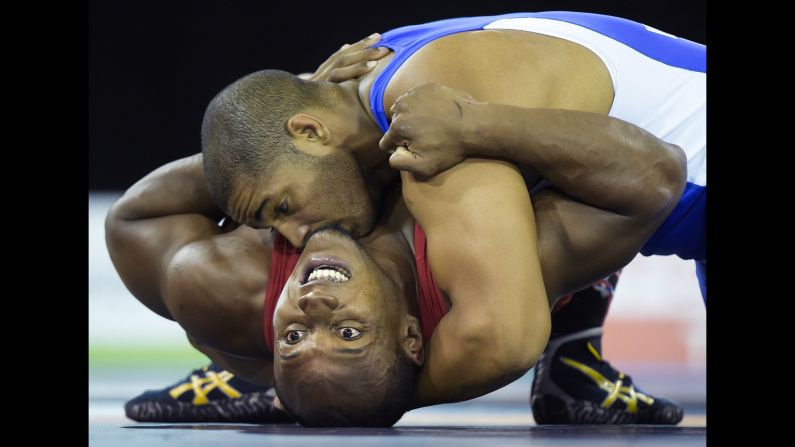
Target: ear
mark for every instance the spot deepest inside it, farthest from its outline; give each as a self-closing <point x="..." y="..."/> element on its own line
<point x="309" y="128"/>
<point x="412" y="340"/>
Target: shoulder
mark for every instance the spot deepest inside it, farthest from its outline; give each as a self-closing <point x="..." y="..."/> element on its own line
<point x="234" y="263"/>
<point x="508" y="67"/>
<point x="215" y="290"/>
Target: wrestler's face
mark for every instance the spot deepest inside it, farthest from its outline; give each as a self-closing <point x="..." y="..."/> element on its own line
<point x="298" y="197"/>
<point x="336" y="326"/>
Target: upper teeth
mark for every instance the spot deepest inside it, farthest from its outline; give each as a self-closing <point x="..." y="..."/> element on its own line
<point x="325" y="273"/>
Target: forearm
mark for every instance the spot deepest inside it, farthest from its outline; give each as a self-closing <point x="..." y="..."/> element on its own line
<point x="175" y="188"/>
<point x="597" y="159"/>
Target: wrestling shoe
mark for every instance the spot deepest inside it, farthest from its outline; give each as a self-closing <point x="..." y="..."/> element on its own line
<point x="209" y="394"/>
<point x="573" y="384"/>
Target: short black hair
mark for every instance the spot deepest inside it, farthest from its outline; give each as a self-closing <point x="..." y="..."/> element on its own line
<point x="399" y="398"/>
<point x="244" y="130"/>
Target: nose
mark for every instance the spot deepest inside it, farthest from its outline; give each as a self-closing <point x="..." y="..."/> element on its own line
<point x="314" y="300"/>
<point x="296" y="234"/>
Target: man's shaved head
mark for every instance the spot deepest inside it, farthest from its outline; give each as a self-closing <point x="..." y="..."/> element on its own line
<point x="244" y="128"/>
<point x="252" y="158"/>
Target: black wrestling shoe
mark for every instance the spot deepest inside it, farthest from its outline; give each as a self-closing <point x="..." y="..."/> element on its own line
<point x="574" y="385"/>
<point x="210" y="394"/>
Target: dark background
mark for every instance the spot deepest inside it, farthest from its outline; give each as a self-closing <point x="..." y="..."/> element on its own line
<point x="155" y="65"/>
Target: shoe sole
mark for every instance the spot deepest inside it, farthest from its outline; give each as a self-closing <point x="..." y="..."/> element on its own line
<point x="251" y="407"/>
<point x="555" y="411"/>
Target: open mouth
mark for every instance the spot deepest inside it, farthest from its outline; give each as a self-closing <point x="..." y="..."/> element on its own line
<point x="328" y="268"/>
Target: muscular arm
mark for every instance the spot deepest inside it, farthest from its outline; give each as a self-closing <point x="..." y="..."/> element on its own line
<point x="163" y="240"/>
<point x="600" y="160"/>
<point x="482" y="252"/>
<point x="157" y="216"/>
<point x="614" y="183"/>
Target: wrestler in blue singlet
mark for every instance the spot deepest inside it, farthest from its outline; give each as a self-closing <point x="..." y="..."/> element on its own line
<point x="659" y="84"/>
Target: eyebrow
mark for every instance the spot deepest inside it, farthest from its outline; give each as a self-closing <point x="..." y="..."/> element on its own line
<point x="258" y="214"/>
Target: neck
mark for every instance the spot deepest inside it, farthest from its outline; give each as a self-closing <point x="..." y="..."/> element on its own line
<point x="363" y="134"/>
<point x="361" y="138"/>
<point x="391" y="245"/>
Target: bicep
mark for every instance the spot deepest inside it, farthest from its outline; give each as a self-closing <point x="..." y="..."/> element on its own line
<point x="141" y="251"/>
<point x="215" y="290"/>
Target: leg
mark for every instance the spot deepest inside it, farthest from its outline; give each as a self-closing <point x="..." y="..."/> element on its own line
<point x="573" y="384"/>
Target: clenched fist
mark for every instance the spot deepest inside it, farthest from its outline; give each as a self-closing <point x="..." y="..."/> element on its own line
<point x="433" y="128"/>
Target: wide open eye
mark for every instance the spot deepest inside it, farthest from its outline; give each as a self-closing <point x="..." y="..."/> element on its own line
<point x="294" y="336"/>
<point x="349" y="333"/>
